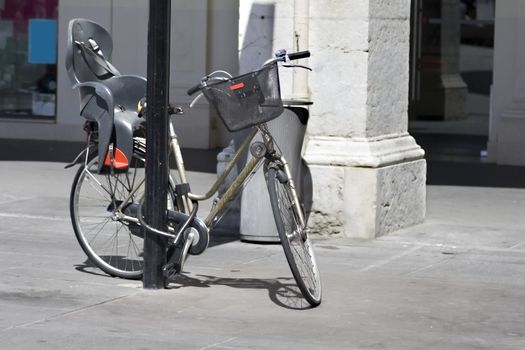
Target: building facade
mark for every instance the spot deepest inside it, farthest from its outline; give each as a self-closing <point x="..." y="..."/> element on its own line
<point x="204" y="37"/>
<point x="368" y="171"/>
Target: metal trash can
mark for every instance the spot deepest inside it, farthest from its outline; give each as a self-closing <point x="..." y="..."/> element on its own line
<point x="228" y="223"/>
<point x="257" y="223"/>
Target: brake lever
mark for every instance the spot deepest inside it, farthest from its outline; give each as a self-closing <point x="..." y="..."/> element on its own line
<point x="296" y="66"/>
<point x="196" y="99"/>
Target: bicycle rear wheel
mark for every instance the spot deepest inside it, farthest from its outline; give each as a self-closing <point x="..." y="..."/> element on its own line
<point x="294" y="238"/>
<point x="111" y="243"/>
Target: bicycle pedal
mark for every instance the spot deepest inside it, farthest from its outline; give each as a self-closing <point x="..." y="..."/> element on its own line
<point x="170" y="270"/>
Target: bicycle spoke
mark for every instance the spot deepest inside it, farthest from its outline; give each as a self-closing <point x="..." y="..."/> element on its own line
<point x="100" y="230"/>
<point x="108" y="241"/>
<point x="96" y="188"/>
<point x="104" y="244"/>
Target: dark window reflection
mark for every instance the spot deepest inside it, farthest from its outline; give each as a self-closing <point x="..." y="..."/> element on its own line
<point x="28" y="72"/>
<point x="451" y="66"/>
<point x="450" y="37"/>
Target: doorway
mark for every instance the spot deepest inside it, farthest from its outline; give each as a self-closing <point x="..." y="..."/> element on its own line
<point x="451" y="71"/>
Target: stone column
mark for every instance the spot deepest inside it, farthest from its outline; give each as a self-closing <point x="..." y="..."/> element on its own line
<point x="507" y="119"/>
<point x="454" y="88"/>
<point x="485" y="9"/>
<point x="368" y="172"/>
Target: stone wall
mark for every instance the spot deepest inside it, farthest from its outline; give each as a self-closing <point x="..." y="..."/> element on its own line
<point x="369" y="173"/>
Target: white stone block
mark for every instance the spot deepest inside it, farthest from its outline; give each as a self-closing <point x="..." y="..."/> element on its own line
<point x="390" y="9"/>
<point x="401" y="196"/>
<point x="327" y="217"/>
<point x="382" y="200"/>
<point x="338" y="84"/>
<point x="388" y="77"/>
<point x="348" y="123"/>
<point x="326" y="32"/>
<point x="332" y="9"/>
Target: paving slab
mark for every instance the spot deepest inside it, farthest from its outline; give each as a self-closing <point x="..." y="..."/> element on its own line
<point x="454" y="282"/>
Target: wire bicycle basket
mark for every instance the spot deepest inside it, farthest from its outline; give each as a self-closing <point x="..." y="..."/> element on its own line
<point x="247" y="100"/>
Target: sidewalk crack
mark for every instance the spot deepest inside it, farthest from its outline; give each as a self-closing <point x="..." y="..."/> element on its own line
<point x="389" y="260"/>
<point x="65" y="313"/>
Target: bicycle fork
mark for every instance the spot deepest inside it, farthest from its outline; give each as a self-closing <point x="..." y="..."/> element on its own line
<point x="271" y="155"/>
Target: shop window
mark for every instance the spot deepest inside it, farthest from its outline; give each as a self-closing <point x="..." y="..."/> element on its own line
<point x="28" y="47"/>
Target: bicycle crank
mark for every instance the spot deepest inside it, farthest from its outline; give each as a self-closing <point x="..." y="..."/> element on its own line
<point x="177" y="255"/>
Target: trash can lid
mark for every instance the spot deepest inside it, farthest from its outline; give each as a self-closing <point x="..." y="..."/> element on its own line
<point x="297" y="103"/>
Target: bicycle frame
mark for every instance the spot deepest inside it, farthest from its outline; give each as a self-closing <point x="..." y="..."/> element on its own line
<point x="233" y="189"/>
<point x="237" y="184"/>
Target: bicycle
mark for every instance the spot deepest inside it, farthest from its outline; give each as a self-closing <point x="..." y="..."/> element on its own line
<point x="106" y="201"/>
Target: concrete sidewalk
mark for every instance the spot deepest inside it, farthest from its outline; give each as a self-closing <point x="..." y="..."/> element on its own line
<point x="454" y="282"/>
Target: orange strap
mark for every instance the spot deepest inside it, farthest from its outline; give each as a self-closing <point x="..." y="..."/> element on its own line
<point x="120" y="161"/>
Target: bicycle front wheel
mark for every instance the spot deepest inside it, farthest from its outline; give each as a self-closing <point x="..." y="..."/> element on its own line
<point x="111" y="243"/>
<point x="294" y="238"/>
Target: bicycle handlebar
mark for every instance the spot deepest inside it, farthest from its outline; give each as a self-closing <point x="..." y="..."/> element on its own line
<point x="281" y="56"/>
<point x="298" y="55"/>
<point x="194" y="89"/>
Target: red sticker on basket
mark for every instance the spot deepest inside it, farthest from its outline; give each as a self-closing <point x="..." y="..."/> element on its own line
<point x="237" y="86"/>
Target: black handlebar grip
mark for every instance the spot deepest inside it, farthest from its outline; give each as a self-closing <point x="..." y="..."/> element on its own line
<point x="299" y="55"/>
<point x="194" y="89"/>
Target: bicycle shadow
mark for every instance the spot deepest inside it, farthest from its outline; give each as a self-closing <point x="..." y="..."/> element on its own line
<point x="90" y="268"/>
<point x="281" y="292"/>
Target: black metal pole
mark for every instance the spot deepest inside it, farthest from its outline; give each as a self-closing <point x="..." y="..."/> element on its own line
<point x="157" y="140"/>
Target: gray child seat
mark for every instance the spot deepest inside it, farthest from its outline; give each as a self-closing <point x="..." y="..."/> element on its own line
<point x="106" y="97"/>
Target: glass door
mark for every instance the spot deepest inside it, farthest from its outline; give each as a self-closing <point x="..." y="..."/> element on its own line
<point x="452" y="44"/>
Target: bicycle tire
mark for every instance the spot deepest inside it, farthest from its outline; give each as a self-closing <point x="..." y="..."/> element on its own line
<point x="294" y="239"/>
<point x="114" y="246"/>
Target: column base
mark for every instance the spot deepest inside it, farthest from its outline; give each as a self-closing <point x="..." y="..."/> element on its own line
<point x="507" y="146"/>
<point x="367" y="202"/>
<point x="366" y="194"/>
<point x="455" y="93"/>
